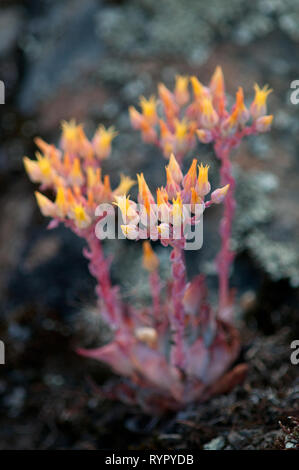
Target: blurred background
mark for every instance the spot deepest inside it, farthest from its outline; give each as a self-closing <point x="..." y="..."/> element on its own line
<point x="89" y="61"/>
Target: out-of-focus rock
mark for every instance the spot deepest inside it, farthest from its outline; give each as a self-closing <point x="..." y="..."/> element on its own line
<point x="17" y="210"/>
<point x="60" y="45"/>
<point x="11" y="19"/>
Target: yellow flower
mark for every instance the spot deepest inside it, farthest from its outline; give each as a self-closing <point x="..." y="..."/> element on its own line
<point x="198" y="89"/>
<point x="259" y="105"/>
<point x="39" y="171"/>
<point x="46" y="206"/>
<point x="181" y="90"/>
<point x="102" y="141"/>
<point x="93" y="177"/>
<point x="177" y="209"/>
<point x="81" y="218"/>
<point x="61" y="202"/>
<point x="195" y="198"/>
<point x="32" y="169"/>
<point x="148" y="107"/>
<point x="123" y="203"/>
<point x="181" y="129"/>
<point x="125" y="185"/>
<point x="203" y="184"/>
<point x="72" y="136"/>
<point x="44" y="166"/>
<point x="76" y="175"/>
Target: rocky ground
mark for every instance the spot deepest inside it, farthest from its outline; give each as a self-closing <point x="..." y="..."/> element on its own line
<point x="90" y="60"/>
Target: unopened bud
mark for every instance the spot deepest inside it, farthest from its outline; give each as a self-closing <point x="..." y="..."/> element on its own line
<point x="263" y="123"/>
<point x="147" y="335"/>
<point x="204" y="136"/>
<point x="219" y="194"/>
<point x="150" y="259"/>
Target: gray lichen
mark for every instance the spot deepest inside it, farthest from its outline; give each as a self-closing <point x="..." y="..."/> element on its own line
<point x="253" y="227"/>
<point x="143" y="27"/>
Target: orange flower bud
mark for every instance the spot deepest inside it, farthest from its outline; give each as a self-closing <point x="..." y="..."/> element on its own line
<point x="32" y="169"/>
<point x="150" y="259"/>
<point x="76" y="175"/>
<point x="190" y="178"/>
<point x="175" y="169"/>
<point x="102" y="141"/>
<point x="217" y="88"/>
<point x="199" y="90"/>
<point x="204" y="136"/>
<point x="149" y="109"/>
<point x="171" y="109"/>
<point x="209" y="118"/>
<point x="263" y="123"/>
<point x="181" y="91"/>
<point x="147" y="335"/>
<point x="135" y="117"/>
<point x="143" y="189"/>
<point x="219" y="194"/>
<point x="46" y="206"/>
<point x="171" y="185"/>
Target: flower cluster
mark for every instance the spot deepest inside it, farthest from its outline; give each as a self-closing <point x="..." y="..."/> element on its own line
<point x="175" y="119"/>
<point x="177" y="206"/>
<point x="192" y="110"/>
<point x="74" y="174"/>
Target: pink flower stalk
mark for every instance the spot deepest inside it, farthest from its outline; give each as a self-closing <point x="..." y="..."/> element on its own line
<point x="151" y="264"/>
<point x="73" y="174"/>
<point x="199" y="345"/>
<point x="172" y="121"/>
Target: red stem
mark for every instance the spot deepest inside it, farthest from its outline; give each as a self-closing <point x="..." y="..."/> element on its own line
<point x="178" y="317"/>
<point x="99" y="268"/>
<point x="155" y="285"/>
<point x="226" y="255"/>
